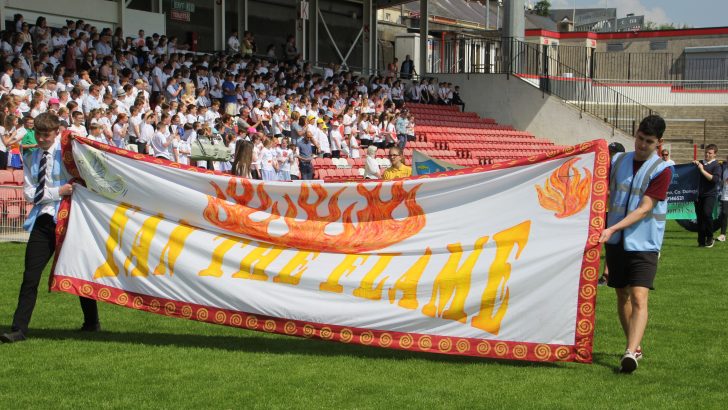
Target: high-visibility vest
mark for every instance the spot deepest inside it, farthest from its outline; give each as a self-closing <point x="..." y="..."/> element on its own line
<point x="626" y="192"/>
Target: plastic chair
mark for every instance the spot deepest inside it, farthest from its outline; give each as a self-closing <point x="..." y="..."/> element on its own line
<point x="7" y="193"/>
<point x="13" y="211"/>
<point x="6" y="177"/>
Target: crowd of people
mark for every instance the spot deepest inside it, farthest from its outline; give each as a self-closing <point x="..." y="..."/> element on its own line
<point x="146" y="93"/>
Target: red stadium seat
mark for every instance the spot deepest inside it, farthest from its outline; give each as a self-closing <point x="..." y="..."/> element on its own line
<point x="328" y="163"/>
<point x="18" y="176"/>
<point x="6" y="177"/>
<point x="13" y="211"/>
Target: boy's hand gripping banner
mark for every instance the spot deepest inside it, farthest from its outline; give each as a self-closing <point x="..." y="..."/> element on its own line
<point x="499" y="261"/>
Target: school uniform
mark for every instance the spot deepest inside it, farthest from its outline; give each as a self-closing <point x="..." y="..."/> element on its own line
<point x="44" y="175"/>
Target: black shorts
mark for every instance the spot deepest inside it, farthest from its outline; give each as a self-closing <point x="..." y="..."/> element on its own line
<point x="630" y="268"/>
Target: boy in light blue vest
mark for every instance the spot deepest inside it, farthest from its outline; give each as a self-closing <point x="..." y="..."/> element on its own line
<point x="45" y="182"/>
<point x="637" y="209"/>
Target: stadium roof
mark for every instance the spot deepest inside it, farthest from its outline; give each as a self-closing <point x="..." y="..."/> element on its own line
<point x="457" y="10"/>
<point x="534" y="21"/>
<point x="380" y="4"/>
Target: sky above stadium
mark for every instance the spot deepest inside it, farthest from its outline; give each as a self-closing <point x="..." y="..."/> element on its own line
<point x="695" y="13"/>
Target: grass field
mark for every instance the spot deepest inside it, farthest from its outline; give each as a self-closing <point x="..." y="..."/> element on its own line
<point x="142" y="360"/>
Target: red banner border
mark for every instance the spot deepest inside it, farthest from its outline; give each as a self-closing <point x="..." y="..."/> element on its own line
<point x="345" y="334"/>
<point x="581" y="351"/>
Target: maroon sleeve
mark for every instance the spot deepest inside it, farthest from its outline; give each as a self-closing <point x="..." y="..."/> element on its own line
<point x="657" y="188"/>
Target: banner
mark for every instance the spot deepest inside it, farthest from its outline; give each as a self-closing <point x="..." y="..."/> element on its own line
<point x="424" y="164"/>
<point x="683" y="191"/>
<point x="499" y="261"/>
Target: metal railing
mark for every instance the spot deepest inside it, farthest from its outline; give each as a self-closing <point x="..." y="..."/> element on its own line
<point x="543" y="67"/>
<point x="540" y="63"/>
<point x="672" y="92"/>
<point x="13" y="211"/>
<point x="658" y="66"/>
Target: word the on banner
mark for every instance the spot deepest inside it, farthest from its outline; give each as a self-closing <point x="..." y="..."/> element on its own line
<point x="498" y="261"/>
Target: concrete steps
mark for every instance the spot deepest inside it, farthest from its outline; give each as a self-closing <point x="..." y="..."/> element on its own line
<point x="681" y="150"/>
<point x="701" y="125"/>
<point x="708" y="112"/>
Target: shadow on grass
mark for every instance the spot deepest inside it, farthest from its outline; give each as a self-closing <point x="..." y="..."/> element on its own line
<point x="252" y="343"/>
<point x="607" y="360"/>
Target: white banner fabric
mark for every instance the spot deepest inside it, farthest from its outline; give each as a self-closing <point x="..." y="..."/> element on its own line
<point x="498" y="262"/>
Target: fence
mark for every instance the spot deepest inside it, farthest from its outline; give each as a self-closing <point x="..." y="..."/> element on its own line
<point x="482" y="55"/>
<point x="673" y="92"/>
<point x="544" y="67"/>
<point x="658" y="67"/>
<point x="13" y="209"/>
<point x="542" y="63"/>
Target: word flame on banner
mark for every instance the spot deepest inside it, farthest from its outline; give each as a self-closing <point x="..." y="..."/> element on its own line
<point x="497" y="261"/>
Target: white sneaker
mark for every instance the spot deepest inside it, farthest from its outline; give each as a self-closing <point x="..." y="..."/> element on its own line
<point x="721" y="238"/>
<point x="628" y="362"/>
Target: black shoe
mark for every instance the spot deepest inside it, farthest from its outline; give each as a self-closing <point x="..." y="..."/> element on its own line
<point x="90" y="327"/>
<point x="12" y="337"/>
<point x="709" y="244"/>
<point x="628" y="364"/>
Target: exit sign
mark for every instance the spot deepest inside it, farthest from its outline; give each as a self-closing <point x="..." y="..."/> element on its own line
<point x="183" y="6"/>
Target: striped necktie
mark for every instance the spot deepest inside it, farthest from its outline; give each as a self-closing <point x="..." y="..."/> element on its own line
<point x="39" y="190"/>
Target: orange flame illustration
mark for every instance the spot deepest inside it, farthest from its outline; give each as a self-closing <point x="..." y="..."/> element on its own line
<point x="375" y="228"/>
<point x="565" y="192"/>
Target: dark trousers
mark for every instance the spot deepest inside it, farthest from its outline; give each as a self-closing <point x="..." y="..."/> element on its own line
<point x="141" y="147"/>
<point x="40" y="249"/>
<point x="704" y="212"/>
<point x="306" y="169"/>
<point x="723" y="217"/>
<point x="3" y="160"/>
<point x="458" y="101"/>
<point x="402" y="141"/>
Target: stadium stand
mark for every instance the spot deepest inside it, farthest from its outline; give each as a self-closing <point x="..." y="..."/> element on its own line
<point x="470" y="137"/>
<point x="103" y="76"/>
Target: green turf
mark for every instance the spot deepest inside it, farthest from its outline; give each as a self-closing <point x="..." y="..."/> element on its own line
<point x="143" y="360"/>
